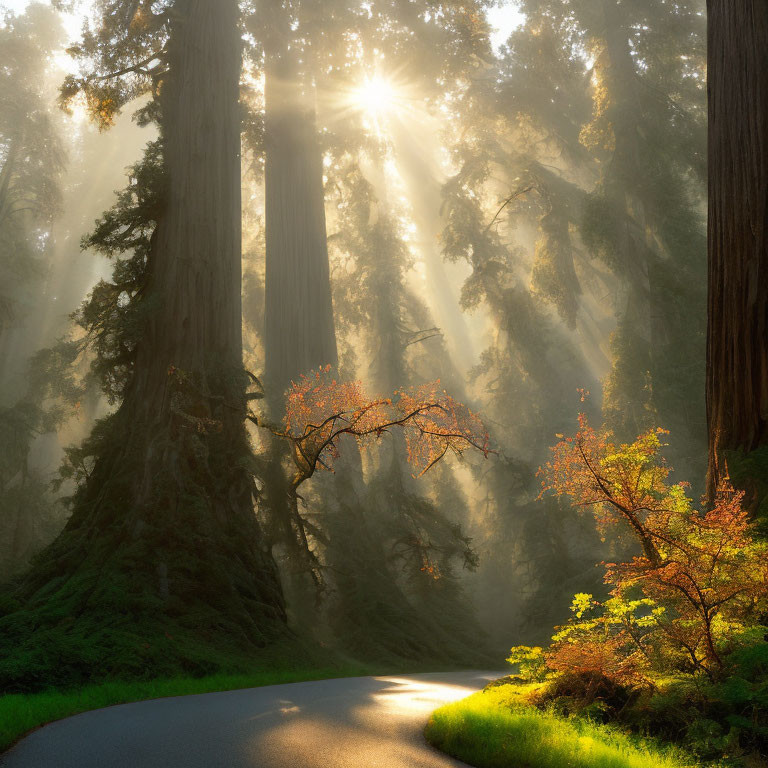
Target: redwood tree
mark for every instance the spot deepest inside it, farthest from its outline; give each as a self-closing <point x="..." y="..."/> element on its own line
<point x="737" y="352"/>
<point x="163" y="558"/>
<point x="299" y="332"/>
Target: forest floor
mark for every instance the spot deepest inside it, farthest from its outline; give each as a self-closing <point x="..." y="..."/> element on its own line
<point x="497" y="728"/>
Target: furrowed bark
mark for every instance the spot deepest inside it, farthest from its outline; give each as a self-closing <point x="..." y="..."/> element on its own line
<point x="737" y="346"/>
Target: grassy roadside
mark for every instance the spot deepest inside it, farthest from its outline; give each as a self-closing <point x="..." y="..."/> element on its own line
<point x="22" y="713"/>
<point x="495" y="728"/>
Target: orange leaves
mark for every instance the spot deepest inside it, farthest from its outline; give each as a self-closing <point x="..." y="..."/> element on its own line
<point x="711" y="569"/>
<point x="598" y="657"/>
<point x="320" y="409"/>
<point x="430" y="568"/>
<point x="434" y="424"/>
<point x="704" y="571"/>
<point x="102" y="106"/>
<point x="619" y="482"/>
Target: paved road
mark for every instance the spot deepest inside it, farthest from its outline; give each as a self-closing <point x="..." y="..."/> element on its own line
<point x="347" y="723"/>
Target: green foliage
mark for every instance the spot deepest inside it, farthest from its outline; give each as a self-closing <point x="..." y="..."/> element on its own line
<point x="497" y="728"/>
<point x="549" y="274"/>
<point x="115" y="314"/>
<point x="97" y="603"/>
<point x="599" y="229"/>
<point x="531" y="663"/>
<point x="123" y="57"/>
<point x="750" y="472"/>
<point x="111" y="617"/>
<point x="393" y="560"/>
<point x="514" y="145"/>
<point x="80" y="460"/>
<point x="725" y="720"/>
<point x="628" y="395"/>
<point x="29" y="514"/>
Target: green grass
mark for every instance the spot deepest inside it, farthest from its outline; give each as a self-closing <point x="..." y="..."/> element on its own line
<point x="496" y="729"/>
<point x="22" y="713"/>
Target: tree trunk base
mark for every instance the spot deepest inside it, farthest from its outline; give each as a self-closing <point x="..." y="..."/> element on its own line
<point x="182" y="583"/>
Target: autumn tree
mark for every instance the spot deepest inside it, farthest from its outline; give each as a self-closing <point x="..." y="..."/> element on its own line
<point x="316" y="61"/>
<point x="737" y="352"/>
<point x="702" y="578"/>
<point x="416" y="535"/>
<point x="320" y="411"/>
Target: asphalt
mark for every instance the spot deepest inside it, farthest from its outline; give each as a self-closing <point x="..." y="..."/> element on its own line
<point x="357" y="722"/>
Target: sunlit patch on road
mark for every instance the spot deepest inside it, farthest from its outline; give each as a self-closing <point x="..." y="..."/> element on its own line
<point x="409" y="694"/>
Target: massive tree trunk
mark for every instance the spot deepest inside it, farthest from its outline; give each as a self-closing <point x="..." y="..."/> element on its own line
<point x="737" y="348"/>
<point x="163" y="533"/>
<point x="299" y="332"/>
<point x="195" y="268"/>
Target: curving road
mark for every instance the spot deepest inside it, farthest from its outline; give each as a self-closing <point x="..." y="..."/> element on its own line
<point x="356" y="722"/>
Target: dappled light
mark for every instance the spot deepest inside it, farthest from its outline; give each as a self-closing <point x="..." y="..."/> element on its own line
<point x="409" y="694"/>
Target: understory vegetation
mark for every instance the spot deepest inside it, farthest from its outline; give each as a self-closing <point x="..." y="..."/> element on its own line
<point x="500" y="728"/>
<point x="677" y="650"/>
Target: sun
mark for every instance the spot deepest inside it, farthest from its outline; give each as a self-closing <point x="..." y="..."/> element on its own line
<point x="380" y="101"/>
<point x="376" y="96"/>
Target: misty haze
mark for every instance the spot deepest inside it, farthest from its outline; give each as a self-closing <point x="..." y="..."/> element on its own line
<point x="418" y="347"/>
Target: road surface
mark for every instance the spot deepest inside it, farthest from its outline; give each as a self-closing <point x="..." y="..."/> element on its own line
<point x="356" y="722"/>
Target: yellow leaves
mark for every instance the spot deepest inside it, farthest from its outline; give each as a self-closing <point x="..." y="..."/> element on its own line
<point x="531" y="662"/>
<point x="599" y="133"/>
<point x="582" y="602"/>
<point x="140" y="21"/>
<point x="525" y="653"/>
